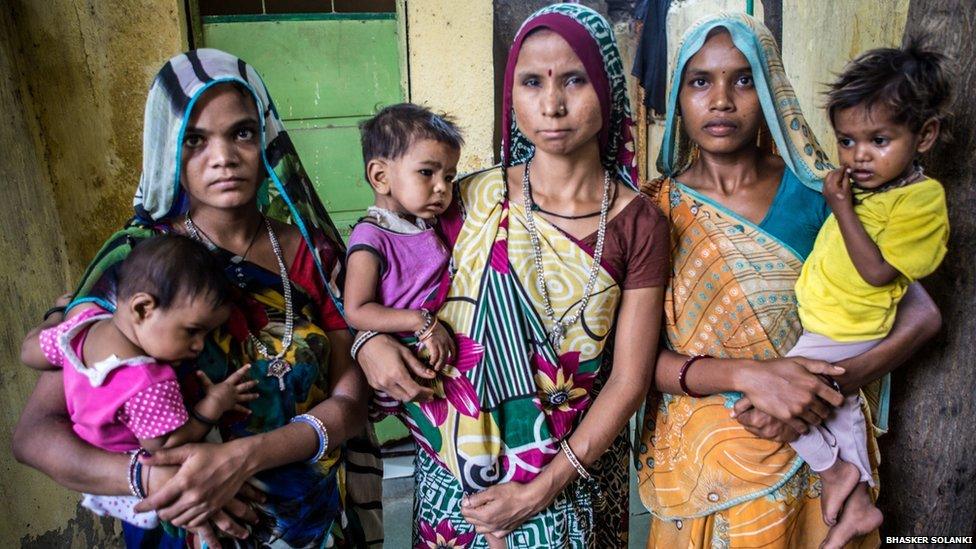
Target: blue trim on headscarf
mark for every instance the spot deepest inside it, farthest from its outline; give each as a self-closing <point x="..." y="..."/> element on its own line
<point x="748" y="44"/>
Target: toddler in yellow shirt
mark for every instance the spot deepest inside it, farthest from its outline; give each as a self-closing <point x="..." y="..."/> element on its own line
<point x="889" y="228"/>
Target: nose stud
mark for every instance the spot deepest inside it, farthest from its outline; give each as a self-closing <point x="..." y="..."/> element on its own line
<point x="561" y="110"/>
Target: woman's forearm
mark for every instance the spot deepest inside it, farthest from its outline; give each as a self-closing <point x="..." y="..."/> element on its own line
<point x="344" y="415"/>
<point x="43" y="439"/>
<point x="918" y="320"/>
<point x="635" y="350"/>
<point x="706" y="376"/>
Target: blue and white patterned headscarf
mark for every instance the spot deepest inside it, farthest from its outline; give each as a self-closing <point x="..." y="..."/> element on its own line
<point x="286" y="194"/>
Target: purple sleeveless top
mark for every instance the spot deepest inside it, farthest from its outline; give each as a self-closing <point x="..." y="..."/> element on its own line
<point x="413" y="267"/>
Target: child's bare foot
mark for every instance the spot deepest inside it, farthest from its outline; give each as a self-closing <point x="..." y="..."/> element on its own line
<point x="860" y="517"/>
<point x="837" y="482"/>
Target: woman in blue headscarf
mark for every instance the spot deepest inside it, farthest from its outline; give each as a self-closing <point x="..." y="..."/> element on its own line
<point x="219" y="167"/>
<point x="741" y="186"/>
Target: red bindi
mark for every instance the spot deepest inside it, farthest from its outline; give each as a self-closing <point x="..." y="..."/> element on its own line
<point x="550" y="72"/>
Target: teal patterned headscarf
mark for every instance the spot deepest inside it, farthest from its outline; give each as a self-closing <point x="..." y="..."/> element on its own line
<point x="791" y="134"/>
<point x="592" y="39"/>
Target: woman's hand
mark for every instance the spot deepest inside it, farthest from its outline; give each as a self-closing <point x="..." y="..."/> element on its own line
<point x="762" y="424"/>
<point x="388" y="366"/>
<point x="209" y="476"/>
<point x="502" y="508"/>
<point x="791" y="390"/>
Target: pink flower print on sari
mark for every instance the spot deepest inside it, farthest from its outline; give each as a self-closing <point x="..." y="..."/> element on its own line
<point x="524" y="464"/>
<point x="444" y="536"/>
<point x="563" y="392"/>
<point x="499" y="249"/>
<point x="451" y="385"/>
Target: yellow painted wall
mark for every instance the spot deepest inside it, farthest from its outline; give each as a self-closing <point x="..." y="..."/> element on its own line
<point x="820" y="36"/>
<point x="73" y="81"/>
<point x="449" y="46"/>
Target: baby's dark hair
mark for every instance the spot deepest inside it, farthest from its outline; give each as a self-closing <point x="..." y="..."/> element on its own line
<point x="391" y="131"/>
<point x="912" y="82"/>
<point x="173" y="269"/>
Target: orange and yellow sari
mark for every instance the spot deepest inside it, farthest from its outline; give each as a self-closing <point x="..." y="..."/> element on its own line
<point x="706" y="480"/>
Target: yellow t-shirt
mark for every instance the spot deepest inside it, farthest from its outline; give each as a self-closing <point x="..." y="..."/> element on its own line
<point x="910" y="225"/>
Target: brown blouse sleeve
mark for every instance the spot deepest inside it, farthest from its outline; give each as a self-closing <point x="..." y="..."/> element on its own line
<point x="649" y="247"/>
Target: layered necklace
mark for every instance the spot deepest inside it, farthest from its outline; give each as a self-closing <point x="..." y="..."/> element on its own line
<point x="559" y="327"/>
<point x="278" y="367"/>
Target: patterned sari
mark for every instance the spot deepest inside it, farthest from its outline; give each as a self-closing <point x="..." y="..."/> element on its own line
<point x="510" y="397"/>
<point x="307" y="505"/>
<point x="707" y="481"/>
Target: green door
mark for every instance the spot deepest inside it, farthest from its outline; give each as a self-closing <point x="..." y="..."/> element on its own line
<point x="326" y="72"/>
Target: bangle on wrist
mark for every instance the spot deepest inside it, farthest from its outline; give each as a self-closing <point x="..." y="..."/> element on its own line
<point x="683" y="376"/>
<point x="201" y="418"/>
<point x="135" y="474"/>
<point x="428" y="324"/>
<point x="588" y="482"/>
<point x="361" y="339"/>
<point x="320" y="431"/>
<point x="430" y="331"/>
<point x="56" y="309"/>
<point x="574" y="461"/>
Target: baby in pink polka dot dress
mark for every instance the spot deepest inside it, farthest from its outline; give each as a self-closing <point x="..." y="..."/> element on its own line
<point x="121" y="390"/>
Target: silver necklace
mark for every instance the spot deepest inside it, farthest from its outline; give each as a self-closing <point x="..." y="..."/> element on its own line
<point x="277" y="365"/>
<point x="559" y="327"/>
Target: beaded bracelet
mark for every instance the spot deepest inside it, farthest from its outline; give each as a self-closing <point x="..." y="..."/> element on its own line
<point x="429" y="332"/>
<point x="428" y="324"/>
<point x="361" y="339"/>
<point x="320" y="430"/>
<point x="574" y="461"/>
<point x="683" y="375"/>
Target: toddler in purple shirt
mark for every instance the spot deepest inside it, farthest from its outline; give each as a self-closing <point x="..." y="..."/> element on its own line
<point x="398" y="269"/>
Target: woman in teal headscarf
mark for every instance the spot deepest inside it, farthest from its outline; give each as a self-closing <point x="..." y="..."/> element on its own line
<point x="555" y="302"/>
<point x="219" y="167"/>
<point x="741" y="187"/>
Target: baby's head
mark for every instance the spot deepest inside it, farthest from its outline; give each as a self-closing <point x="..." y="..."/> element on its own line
<point x="411" y="157"/>
<point x="887" y="107"/>
<point x="171" y="292"/>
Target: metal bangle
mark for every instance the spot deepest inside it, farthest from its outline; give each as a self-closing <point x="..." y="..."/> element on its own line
<point x="361" y="339"/>
<point x="430" y="331"/>
<point x="574" y="461"/>
<point x="320" y="431"/>
<point x="683" y="375"/>
<point x="428" y="322"/>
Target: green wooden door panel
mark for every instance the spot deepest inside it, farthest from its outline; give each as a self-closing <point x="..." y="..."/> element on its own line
<point x="325" y="75"/>
<point x="318" y="69"/>
<point x="333" y="158"/>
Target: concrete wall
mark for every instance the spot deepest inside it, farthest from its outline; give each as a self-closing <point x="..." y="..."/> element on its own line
<point x="449" y="48"/>
<point x="73" y="80"/>
<point x="820" y="37"/>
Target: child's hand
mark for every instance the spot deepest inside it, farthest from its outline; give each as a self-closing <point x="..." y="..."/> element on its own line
<point x="440" y="346"/>
<point x="837" y="188"/>
<point x="229" y="394"/>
